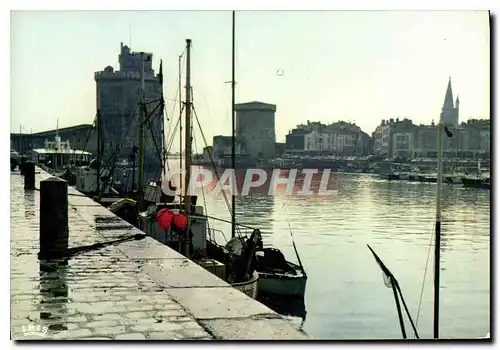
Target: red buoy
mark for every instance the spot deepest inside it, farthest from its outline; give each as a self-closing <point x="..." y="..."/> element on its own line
<point x="164" y="218"/>
<point x="180" y="221"/>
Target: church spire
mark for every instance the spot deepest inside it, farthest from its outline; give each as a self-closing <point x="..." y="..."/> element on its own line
<point x="448" y="99"/>
<point x="457" y="102"/>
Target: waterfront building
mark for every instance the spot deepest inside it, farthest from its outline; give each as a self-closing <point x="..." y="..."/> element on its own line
<point x="339" y="138"/>
<point x="82" y="137"/>
<point x="223" y="145"/>
<point x="470" y="139"/>
<point x="255" y="129"/>
<point x="295" y="141"/>
<point x="118" y="94"/>
<point x="383" y="136"/>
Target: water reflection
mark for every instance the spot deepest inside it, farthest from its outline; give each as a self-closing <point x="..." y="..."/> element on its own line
<point x="29" y="204"/>
<point x="274" y="182"/>
<point x="346" y="298"/>
<point x="288" y="305"/>
<point x="291" y="306"/>
<point x="54" y="294"/>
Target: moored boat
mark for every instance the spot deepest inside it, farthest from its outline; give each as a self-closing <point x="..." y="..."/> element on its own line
<point x="234" y="264"/>
<point x="476" y="182"/>
<point x="279" y="276"/>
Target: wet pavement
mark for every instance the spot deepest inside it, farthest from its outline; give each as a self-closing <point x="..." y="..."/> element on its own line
<point x="97" y="294"/>
<point x="116" y="287"/>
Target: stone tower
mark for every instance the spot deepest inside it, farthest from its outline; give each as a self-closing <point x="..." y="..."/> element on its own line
<point x="118" y="94"/>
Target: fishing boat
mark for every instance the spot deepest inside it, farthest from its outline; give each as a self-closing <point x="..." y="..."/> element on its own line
<point x="480" y="180"/>
<point x="396" y="172"/>
<point x="453" y="179"/>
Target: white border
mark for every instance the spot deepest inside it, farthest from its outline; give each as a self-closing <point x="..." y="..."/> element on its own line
<point x="185" y="5"/>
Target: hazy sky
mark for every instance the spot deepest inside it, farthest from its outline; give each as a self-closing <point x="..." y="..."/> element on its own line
<point x="353" y="66"/>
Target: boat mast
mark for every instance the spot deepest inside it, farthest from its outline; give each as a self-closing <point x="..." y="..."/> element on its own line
<point x="140" y="166"/>
<point x="437" y="248"/>
<point x="233" y="145"/>
<point x="180" y="120"/>
<point x="162" y="105"/>
<point x="187" y="147"/>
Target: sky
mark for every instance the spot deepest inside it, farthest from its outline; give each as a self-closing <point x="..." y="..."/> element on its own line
<point x="359" y="66"/>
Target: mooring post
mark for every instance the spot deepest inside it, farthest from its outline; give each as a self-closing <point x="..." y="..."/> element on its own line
<point x="29" y="175"/>
<point x="53" y="219"/>
<point x="21" y="165"/>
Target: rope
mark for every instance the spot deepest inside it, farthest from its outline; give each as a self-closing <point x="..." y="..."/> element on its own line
<point x="202" y="189"/>
<point x="111" y="162"/>
<point x="211" y="159"/>
<point x="238" y="231"/>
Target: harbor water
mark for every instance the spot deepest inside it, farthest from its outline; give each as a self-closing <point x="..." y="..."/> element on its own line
<point x="346" y="297"/>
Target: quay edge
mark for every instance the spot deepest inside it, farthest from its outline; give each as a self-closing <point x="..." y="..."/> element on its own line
<point x="135" y="290"/>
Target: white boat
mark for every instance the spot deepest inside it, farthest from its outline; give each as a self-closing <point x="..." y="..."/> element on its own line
<point x="250" y="287"/>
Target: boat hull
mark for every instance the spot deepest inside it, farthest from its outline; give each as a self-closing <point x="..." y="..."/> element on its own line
<point x="283" y="283"/>
<point x="453" y="180"/>
<point x="476" y="183"/>
<point x="250" y="287"/>
<point x="390" y="177"/>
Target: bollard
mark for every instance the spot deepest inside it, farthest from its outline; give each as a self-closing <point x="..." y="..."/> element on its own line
<point x="53" y="219"/>
<point x="29" y="175"/>
<point x="21" y="165"/>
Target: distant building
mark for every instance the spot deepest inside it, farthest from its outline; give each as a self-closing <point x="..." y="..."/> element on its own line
<point x="419" y="142"/>
<point x="449" y="111"/>
<point x="469" y="140"/>
<point x="118" y="94"/>
<point x="82" y="137"/>
<point x="255" y="129"/>
<point x="363" y="143"/>
<point x="294" y="141"/>
<point x="223" y="146"/>
<point x="474" y="138"/>
<point x="340" y="138"/>
<point x="208" y="154"/>
<point x="383" y="136"/>
<point x="280" y="148"/>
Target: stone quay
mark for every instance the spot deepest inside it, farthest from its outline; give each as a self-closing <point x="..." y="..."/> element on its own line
<point x="111" y="286"/>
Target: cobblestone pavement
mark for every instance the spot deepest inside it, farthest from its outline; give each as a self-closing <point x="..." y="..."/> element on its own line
<point x="101" y="294"/>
